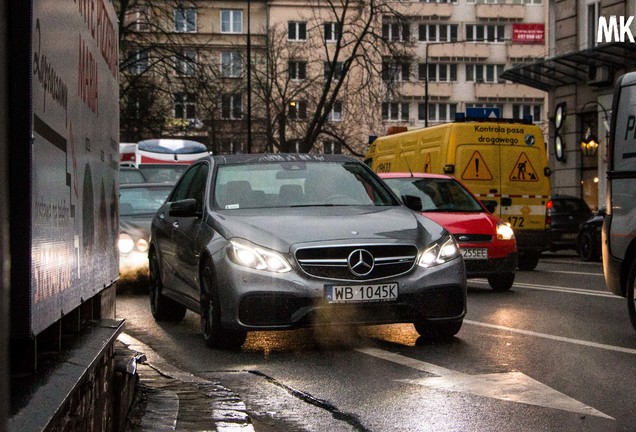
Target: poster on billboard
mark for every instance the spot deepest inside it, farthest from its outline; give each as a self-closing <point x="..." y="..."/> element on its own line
<point x="528" y="33"/>
<point x="75" y="145"/>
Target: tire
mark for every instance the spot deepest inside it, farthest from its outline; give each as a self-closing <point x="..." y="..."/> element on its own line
<point x="501" y="282"/>
<point x="435" y="331"/>
<point x="528" y="260"/>
<point x="162" y="307"/>
<point x="214" y="335"/>
<point x="631" y="296"/>
<point x="587" y="248"/>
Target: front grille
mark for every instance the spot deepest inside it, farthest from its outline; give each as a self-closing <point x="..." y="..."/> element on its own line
<point x="472" y="238"/>
<point x="331" y="262"/>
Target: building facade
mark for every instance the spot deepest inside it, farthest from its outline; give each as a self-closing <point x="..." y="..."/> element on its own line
<point x="419" y="64"/>
<point x="579" y="75"/>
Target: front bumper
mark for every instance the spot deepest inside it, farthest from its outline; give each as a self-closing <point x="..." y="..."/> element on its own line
<point x="258" y="300"/>
<point x="492" y="266"/>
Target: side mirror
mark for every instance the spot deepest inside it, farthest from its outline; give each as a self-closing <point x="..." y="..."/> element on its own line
<point x="184" y="208"/>
<point x="412" y="202"/>
<point x="491" y="205"/>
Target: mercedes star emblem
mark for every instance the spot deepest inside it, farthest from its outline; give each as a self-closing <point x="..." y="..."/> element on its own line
<point x="361" y="262"/>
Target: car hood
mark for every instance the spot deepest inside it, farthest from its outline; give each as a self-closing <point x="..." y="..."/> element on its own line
<point x="281" y="228"/>
<point x="136" y="225"/>
<point x="465" y="223"/>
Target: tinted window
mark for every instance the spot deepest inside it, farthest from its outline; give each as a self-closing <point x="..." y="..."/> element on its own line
<point x="141" y="200"/>
<point x="296" y="184"/>
<point x="437" y="194"/>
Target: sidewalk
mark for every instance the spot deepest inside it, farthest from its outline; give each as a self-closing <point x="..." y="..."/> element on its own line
<point x="169" y="399"/>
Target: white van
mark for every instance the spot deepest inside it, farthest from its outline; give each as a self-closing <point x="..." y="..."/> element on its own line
<point x="619" y="226"/>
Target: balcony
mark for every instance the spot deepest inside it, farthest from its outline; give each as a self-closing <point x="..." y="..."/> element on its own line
<point x="462" y="51"/>
<point x="500" y="12"/>
<point x="507" y="91"/>
<point x="523" y="52"/>
<point x="432" y="11"/>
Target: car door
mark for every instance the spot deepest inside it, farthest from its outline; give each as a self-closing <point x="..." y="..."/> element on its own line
<point x="187" y="233"/>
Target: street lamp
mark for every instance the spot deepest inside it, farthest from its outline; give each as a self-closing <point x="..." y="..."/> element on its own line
<point x="589" y="143"/>
<point x="426" y="65"/>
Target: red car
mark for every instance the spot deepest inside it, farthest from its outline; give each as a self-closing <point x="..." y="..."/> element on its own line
<point x="487" y="243"/>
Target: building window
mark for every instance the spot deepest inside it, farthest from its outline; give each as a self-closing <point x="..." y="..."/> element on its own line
<point x="332" y="31"/>
<point x="337" y="73"/>
<point x="230" y="147"/>
<point x="137" y="19"/>
<point x="137" y="105"/>
<point x="484" y="33"/>
<point x="442" y="72"/>
<point x="231" y="64"/>
<point x="297" y="110"/>
<point x="297" y="70"/>
<point x="484" y="73"/>
<point x="485" y="105"/>
<point x="394" y="111"/>
<point x="395" y="71"/>
<point x="437" y="112"/>
<point x="521" y="111"/>
<point x="232" y="21"/>
<point x="185" y="20"/>
<point x="332" y="147"/>
<point x="335" y="114"/>
<point x="438" y="33"/>
<point x="185" y="63"/>
<point x="395" y="32"/>
<point x="592" y="23"/>
<point x="185" y="106"/>
<point x="137" y="61"/>
<point x="297" y="31"/>
<point x="231" y="106"/>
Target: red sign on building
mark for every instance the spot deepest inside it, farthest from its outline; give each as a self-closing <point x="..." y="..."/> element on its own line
<point x="528" y="33"/>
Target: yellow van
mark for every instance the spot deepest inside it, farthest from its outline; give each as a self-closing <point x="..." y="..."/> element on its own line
<point x="503" y="163"/>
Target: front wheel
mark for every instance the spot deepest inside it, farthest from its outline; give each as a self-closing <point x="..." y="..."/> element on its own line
<point x="437" y="331"/>
<point x="528" y="260"/>
<point x="501" y="282"/>
<point x="162" y="307"/>
<point x="587" y="251"/>
<point x="214" y="335"/>
<point x="631" y="296"/>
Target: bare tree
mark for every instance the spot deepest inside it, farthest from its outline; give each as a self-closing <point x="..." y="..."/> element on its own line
<point x="165" y="72"/>
<point x="329" y="88"/>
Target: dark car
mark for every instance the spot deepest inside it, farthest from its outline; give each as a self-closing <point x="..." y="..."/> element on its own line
<point x="138" y="203"/>
<point x="487" y="243"/>
<point x="589" y="239"/>
<point x="565" y="214"/>
<point x="279" y="241"/>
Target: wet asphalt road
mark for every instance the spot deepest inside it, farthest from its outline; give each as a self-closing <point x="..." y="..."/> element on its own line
<point x="556" y="352"/>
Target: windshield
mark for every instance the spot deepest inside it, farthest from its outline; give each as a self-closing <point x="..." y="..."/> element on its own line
<point x="298" y="184"/>
<point x="437" y="194"/>
<point x="163" y="173"/>
<point x="141" y="200"/>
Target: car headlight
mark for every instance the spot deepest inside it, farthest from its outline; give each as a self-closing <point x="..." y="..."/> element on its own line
<point x="504" y="231"/>
<point x="443" y="250"/>
<point x="142" y="245"/>
<point x="125" y="243"/>
<point x="250" y="255"/>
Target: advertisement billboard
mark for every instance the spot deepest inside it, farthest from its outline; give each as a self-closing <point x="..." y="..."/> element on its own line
<point x="74" y="156"/>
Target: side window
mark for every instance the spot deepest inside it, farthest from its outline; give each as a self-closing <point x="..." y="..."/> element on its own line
<point x="197" y="190"/>
<point x="181" y="190"/>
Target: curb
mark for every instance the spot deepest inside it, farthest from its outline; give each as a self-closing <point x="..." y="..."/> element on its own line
<point x="178" y="400"/>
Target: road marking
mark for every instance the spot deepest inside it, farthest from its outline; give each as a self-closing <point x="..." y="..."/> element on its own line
<point x="568" y="290"/>
<point x="556" y="338"/>
<point x="573" y="272"/>
<point x="511" y="386"/>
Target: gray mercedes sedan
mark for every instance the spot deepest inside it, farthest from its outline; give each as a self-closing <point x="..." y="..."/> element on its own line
<point x="280" y="241"/>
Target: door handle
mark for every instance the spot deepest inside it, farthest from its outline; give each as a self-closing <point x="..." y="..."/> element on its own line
<point x="175" y="225"/>
<point x="162" y="216"/>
